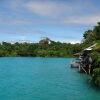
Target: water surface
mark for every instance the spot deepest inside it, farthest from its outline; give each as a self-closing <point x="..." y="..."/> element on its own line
<point x="43" y="79"/>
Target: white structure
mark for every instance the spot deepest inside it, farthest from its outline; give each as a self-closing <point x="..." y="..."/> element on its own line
<point x="91" y="47"/>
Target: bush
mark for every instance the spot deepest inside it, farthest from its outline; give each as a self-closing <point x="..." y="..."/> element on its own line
<point x="96" y="59"/>
<point x="96" y="76"/>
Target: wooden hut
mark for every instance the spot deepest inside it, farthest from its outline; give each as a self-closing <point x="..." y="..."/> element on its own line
<point x="85" y="61"/>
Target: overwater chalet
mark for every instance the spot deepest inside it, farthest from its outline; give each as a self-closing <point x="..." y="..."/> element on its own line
<point x="83" y="61"/>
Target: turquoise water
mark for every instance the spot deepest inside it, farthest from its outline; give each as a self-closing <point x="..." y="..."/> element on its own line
<point x="43" y="79"/>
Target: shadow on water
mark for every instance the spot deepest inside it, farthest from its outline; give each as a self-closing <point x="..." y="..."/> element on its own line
<point x="92" y="85"/>
<point x="95" y="87"/>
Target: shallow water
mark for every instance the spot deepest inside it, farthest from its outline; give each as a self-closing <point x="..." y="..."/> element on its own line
<point x="43" y="79"/>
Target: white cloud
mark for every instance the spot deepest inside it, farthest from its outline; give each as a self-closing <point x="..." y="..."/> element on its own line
<point x="84" y="20"/>
<point x="53" y="12"/>
<point x="51" y="9"/>
<point x="64" y="13"/>
<point x="74" y="42"/>
<point x="20" y="22"/>
<point x="70" y="41"/>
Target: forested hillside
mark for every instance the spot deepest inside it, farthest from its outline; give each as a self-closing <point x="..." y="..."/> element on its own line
<point x="41" y="49"/>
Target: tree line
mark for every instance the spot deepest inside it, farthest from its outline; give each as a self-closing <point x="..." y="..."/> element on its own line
<point x="41" y="49"/>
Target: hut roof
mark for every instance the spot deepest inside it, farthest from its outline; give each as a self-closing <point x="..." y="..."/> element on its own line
<point x="78" y="54"/>
<point x="87" y="49"/>
<point x="91" y="47"/>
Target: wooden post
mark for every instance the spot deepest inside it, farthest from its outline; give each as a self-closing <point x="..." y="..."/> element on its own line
<point x="79" y="68"/>
<point x="89" y="68"/>
<point x="90" y="62"/>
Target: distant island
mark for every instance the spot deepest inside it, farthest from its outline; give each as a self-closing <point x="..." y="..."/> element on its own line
<point x="45" y="48"/>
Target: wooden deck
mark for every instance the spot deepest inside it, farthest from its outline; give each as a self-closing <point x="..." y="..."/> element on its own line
<point x="79" y="66"/>
<point x="74" y="65"/>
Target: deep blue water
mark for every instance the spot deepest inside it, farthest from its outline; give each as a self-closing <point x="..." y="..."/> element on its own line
<point x="43" y="79"/>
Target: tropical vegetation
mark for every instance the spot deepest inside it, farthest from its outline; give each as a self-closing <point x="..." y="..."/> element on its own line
<point x="41" y="49"/>
<point x="91" y="37"/>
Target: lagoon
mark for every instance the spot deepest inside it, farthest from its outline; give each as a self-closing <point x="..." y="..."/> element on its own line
<point x="30" y="78"/>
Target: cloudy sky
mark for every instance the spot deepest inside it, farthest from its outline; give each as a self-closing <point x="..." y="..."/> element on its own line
<point x="60" y="20"/>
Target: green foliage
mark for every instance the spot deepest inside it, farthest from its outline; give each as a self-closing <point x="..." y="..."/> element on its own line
<point x="96" y="59"/>
<point x="96" y="31"/>
<point x="97" y="48"/>
<point x="96" y="65"/>
<point x="92" y="35"/>
<point x="89" y="36"/>
<point x="96" y="76"/>
<point x="54" y="49"/>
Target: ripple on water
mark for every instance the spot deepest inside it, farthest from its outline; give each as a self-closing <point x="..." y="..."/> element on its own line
<point x="26" y="78"/>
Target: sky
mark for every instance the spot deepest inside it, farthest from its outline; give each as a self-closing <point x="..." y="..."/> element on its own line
<point x="60" y="20"/>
